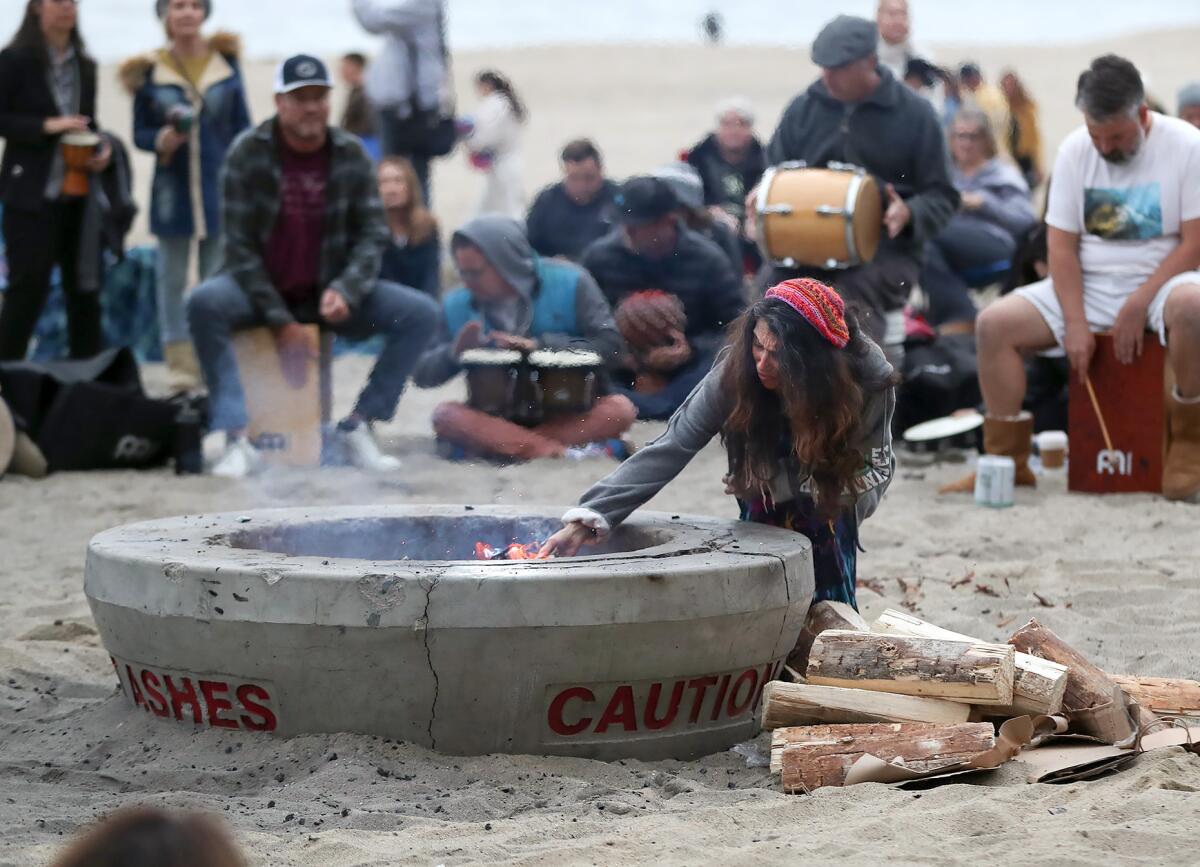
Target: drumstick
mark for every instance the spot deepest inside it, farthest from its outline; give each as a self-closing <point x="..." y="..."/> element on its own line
<point x="1099" y="415"/>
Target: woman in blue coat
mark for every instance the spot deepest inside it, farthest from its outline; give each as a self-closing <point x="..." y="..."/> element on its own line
<point x="189" y="104"/>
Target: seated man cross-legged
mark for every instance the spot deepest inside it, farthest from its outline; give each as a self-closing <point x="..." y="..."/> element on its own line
<point x="1124" y="244"/>
<point x="515" y="300"/>
<point x="304" y="233"/>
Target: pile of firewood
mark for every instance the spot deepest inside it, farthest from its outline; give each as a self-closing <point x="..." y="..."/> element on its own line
<point x="925" y="699"/>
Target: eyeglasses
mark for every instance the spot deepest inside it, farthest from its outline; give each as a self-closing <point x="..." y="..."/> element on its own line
<point x="471" y="273"/>
<point x="968" y="136"/>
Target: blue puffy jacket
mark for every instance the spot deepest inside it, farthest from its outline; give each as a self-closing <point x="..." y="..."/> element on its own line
<point x="185" y="197"/>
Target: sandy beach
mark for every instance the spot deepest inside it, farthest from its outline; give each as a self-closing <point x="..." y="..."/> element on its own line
<point x="1117" y="577"/>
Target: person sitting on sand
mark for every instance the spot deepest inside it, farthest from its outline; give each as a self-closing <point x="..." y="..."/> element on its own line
<point x="1189" y="103"/>
<point x="1124" y="242"/>
<point x="515" y="300"/>
<point x="731" y="161"/>
<point x="977" y="247"/>
<point x="303" y="233"/>
<point x="802" y="400"/>
<point x="568" y="216"/>
<point x="684" y="181"/>
<point x="413" y="254"/>
<point x="674" y="292"/>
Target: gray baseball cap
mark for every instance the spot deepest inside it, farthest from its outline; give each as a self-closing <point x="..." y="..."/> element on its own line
<point x="843" y="40"/>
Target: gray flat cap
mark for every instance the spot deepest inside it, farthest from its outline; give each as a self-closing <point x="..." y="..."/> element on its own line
<point x="1189" y="95"/>
<point x="843" y="40"/>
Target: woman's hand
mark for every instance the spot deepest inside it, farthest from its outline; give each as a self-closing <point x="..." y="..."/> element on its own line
<point x="65" y="123"/>
<point x="168" y="141"/>
<point x="567" y="541"/>
<point x="103" y="157"/>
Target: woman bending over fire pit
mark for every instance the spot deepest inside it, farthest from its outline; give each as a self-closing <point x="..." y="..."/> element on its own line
<point x="803" y="402"/>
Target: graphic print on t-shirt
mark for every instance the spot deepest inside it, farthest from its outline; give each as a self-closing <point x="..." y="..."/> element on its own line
<point x="1128" y="214"/>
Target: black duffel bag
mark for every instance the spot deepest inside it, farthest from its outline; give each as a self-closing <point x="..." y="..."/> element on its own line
<point x="90" y="414"/>
<point x="940" y="377"/>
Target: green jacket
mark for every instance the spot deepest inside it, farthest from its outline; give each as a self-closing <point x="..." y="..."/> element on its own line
<point x="355" y="229"/>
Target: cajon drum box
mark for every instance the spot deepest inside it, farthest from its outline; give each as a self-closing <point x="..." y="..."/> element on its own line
<point x="285" y="422"/>
<point x="1132" y="401"/>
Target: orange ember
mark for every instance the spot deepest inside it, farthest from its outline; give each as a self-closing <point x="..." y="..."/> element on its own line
<point x="484" y="551"/>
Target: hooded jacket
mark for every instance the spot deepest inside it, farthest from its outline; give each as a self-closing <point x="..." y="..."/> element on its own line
<point x="893" y="134"/>
<point x="503" y="243"/>
<point x="185" y="194"/>
<point x="1005" y="197"/>
<point x="700" y="419"/>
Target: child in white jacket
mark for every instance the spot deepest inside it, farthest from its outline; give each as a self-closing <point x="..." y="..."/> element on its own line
<point x="494" y="143"/>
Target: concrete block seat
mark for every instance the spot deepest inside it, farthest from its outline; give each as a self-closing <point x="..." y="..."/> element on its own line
<point x="377" y="620"/>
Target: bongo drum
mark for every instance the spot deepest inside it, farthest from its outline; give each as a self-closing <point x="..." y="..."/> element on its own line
<point x="491" y="379"/>
<point x="568" y="379"/>
<point x="78" y="148"/>
<point x="829" y="218"/>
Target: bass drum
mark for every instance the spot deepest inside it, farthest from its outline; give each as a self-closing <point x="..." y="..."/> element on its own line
<point x="830" y="218"/>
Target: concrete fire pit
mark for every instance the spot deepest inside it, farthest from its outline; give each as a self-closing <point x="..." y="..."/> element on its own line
<point x="377" y="620"/>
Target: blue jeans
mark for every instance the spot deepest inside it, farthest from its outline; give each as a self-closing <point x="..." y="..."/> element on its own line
<point x="218" y="307"/>
<point x="174" y="256"/>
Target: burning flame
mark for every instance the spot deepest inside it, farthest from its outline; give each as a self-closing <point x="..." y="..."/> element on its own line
<point x="484" y="551"/>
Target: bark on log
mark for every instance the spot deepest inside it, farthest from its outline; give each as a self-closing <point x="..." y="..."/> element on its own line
<point x="1165" y="695"/>
<point x="1089" y="688"/>
<point x="814" y="756"/>
<point x="963" y="671"/>
<point x="794" y="704"/>
<point x="1038" y="684"/>
<point x="821" y="616"/>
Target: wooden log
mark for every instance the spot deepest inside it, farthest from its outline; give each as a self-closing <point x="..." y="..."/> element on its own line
<point x="1165" y="695"/>
<point x="793" y="704"/>
<point x="1088" y="686"/>
<point x="814" y="756"/>
<point x="821" y="616"/>
<point x="1038" y="684"/>
<point x="965" y="671"/>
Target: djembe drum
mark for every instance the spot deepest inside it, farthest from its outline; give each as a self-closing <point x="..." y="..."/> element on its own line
<point x="78" y="149"/>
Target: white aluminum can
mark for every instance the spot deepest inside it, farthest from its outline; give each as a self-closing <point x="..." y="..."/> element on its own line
<point x="995" y="477"/>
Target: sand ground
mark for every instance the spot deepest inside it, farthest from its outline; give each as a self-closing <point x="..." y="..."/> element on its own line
<point x="1120" y="574"/>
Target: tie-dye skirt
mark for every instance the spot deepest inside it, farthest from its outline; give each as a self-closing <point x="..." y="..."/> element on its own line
<point x="834" y="543"/>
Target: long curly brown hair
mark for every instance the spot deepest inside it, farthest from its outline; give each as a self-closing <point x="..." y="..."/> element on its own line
<point x="816" y="413"/>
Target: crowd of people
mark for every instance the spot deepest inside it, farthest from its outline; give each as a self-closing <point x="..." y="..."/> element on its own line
<point x="298" y="221"/>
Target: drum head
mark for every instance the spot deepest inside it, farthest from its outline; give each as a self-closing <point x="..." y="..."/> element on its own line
<point x="944" y="428"/>
<point x="81" y="139"/>
<point x="868" y="219"/>
<point x="490" y="358"/>
<point x="8" y="437"/>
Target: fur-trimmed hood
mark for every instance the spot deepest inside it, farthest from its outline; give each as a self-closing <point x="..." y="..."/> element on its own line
<point x="134" y="70"/>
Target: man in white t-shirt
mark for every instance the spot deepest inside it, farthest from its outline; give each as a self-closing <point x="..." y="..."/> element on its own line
<point x="1124" y="240"/>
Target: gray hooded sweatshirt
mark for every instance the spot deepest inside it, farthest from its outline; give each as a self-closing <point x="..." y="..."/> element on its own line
<point x="701" y="418"/>
<point x="503" y="243"/>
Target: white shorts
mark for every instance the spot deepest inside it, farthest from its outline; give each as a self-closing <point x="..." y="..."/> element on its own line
<point x="1102" y="301"/>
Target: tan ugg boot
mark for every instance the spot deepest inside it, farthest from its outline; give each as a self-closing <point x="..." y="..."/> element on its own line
<point x="1011" y="437"/>
<point x="181" y="361"/>
<point x="1181" y="473"/>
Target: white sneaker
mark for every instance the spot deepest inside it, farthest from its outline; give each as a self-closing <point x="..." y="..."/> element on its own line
<point x="364" y="453"/>
<point x="239" y="460"/>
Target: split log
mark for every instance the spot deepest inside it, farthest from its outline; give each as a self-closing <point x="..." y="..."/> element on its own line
<point x="1165" y="695"/>
<point x="821" y="616"/>
<point x="1038" y="684"/>
<point x="814" y="756"/>
<point x="972" y="672"/>
<point x="1090" y="700"/>
<point x="793" y="704"/>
